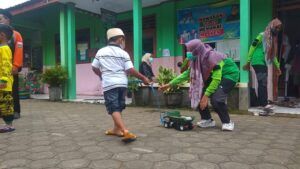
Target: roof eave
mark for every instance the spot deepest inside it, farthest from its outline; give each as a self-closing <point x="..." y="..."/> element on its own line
<point x="30" y="5"/>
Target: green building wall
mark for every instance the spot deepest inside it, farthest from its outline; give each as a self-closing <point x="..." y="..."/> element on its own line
<point x="166" y="20"/>
<point x="50" y="27"/>
<point x="261" y="15"/>
<point x="166" y="24"/>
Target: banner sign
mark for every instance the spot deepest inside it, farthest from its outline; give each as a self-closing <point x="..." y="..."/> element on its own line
<point x="208" y="24"/>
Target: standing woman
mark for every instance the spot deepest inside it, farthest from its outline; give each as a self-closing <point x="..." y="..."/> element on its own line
<point x="146" y="66"/>
<point x="262" y="57"/>
<point x="213" y="76"/>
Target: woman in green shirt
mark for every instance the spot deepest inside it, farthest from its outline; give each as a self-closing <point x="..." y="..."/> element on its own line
<point x="212" y="75"/>
<point x="262" y="54"/>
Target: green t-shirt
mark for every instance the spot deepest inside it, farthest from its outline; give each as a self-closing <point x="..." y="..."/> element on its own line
<point x="256" y="55"/>
<point x="227" y="69"/>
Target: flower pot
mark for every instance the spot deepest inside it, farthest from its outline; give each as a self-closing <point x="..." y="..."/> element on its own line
<point x="141" y="97"/>
<point x="55" y="93"/>
<point x="173" y="99"/>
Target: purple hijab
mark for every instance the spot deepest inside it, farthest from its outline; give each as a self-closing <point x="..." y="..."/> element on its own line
<point x="207" y="59"/>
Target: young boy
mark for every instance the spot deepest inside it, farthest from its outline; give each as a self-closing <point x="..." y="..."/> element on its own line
<point x="6" y="79"/>
<point x="112" y="64"/>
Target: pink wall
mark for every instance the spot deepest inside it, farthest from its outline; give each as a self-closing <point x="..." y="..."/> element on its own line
<point x="87" y="83"/>
<point x="168" y="62"/>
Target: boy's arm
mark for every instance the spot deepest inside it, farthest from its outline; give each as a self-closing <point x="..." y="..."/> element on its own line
<point x="138" y="75"/>
<point x="95" y="68"/>
<point x="128" y="66"/>
<point x="216" y="79"/>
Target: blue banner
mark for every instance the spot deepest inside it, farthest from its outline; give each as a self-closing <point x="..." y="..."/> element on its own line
<point x="209" y="24"/>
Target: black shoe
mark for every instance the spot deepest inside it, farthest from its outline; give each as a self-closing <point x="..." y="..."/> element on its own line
<point x="264" y="113"/>
<point x="17" y="115"/>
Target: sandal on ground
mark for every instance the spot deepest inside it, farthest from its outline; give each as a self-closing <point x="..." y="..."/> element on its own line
<point x="7" y="129"/>
<point x="111" y="133"/>
<point x="129" y="137"/>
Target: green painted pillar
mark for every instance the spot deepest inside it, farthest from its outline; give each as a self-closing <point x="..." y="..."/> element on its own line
<point x="67" y="48"/>
<point x="71" y="84"/>
<point x="63" y="44"/>
<point x="245" y="43"/>
<point x="137" y="32"/>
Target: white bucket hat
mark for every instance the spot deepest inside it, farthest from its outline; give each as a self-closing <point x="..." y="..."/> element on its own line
<point x="114" y="32"/>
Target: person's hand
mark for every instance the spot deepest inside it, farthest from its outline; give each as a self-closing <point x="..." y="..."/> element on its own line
<point x="278" y="72"/>
<point x="146" y="81"/>
<point x="3" y="85"/>
<point x="164" y="87"/>
<point x="154" y="80"/>
<point x="203" y="102"/>
<point x="247" y="66"/>
<point x="15" y="70"/>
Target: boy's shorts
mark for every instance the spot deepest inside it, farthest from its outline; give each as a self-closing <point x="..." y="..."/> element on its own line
<point x="115" y="99"/>
<point x="6" y="103"/>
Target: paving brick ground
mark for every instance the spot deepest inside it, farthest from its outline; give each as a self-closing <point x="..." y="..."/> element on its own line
<point x="71" y="135"/>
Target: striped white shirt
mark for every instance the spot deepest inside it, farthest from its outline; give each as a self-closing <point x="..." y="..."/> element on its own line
<point x="112" y="61"/>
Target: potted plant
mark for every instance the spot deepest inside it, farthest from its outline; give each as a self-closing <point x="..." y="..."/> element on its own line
<point x="55" y="77"/>
<point x="173" y="95"/>
<point x="133" y="85"/>
<point x="140" y="94"/>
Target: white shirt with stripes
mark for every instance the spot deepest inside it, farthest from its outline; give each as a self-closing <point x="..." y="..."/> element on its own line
<point x="112" y="61"/>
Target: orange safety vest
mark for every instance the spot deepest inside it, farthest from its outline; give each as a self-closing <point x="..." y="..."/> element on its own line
<point x="16" y="46"/>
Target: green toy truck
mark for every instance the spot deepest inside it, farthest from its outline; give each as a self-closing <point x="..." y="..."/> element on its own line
<point x="176" y="120"/>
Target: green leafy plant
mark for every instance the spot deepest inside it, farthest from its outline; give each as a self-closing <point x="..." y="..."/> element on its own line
<point x="133" y="84"/>
<point x="55" y="76"/>
<point x="165" y="75"/>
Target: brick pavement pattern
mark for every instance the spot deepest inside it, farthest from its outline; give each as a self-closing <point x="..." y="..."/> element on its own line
<point x="71" y="135"/>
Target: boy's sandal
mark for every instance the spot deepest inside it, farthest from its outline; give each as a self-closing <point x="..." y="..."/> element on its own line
<point x="111" y="133"/>
<point x="6" y="129"/>
<point x="129" y="137"/>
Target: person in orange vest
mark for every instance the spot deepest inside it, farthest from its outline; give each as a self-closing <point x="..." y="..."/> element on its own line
<point x="16" y="46"/>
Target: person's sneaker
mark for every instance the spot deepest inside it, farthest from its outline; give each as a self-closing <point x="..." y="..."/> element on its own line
<point x="269" y="106"/>
<point x="129" y="137"/>
<point x="228" y="126"/>
<point x="206" y="123"/>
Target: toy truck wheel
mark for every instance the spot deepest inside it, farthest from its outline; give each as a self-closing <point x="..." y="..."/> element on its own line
<point x="181" y="128"/>
<point x="171" y="124"/>
<point x="166" y="125"/>
<point x="191" y="126"/>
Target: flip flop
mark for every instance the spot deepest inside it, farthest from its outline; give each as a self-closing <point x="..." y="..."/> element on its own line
<point x="6" y="129"/>
<point x="111" y="133"/>
<point x="129" y="137"/>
